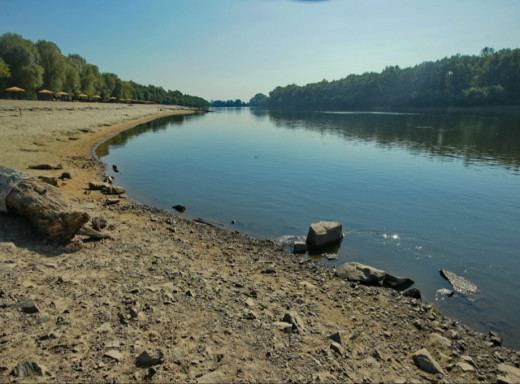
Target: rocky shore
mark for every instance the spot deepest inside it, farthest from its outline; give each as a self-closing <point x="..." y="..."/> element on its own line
<point x="173" y="300"/>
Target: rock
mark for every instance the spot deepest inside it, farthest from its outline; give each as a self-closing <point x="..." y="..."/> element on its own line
<point x="149" y="358"/>
<point x="331" y="256"/>
<point x="426" y="362"/>
<point x="283" y="326"/>
<point x="459" y="283"/>
<point x="299" y="247"/>
<point x="397" y="283"/>
<point x="97" y="186"/>
<point x="439" y="340"/>
<point x="27" y="305"/>
<point x="179" y="208"/>
<point x="112" y="201"/>
<point x="27" y="369"/>
<point x="98" y="223"/>
<point x="114" y="355"/>
<point x="361" y="273"/>
<point x="465" y="367"/>
<point x="378" y="355"/>
<point x="295" y="320"/>
<point x="324" y="234"/>
<point x="509" y="374"/>
<point x="113" y="190"/>
<point x="414" y="293"/>
<point x="66" y="175"/>
<point x="211" y="377"/>
<point x="336" y="347"/>
<point x="445" y="292"/>
<point x="495" y="338"/>
<point x="49" y="180"/>
<point x="340" y="337"/>
<point x="45" y="166"/>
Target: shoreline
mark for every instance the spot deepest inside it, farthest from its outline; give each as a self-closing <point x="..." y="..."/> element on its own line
<point x="210" y="301"/>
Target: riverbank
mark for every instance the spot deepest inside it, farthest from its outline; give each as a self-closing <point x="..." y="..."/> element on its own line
<point x="209" y="304"/>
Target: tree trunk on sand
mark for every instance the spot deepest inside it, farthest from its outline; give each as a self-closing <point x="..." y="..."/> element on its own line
<point x="46" y="208"/>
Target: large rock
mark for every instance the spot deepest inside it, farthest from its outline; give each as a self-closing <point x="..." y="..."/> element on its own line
<point x="363" y="274"/>
<point x="324" y="234"/>
<point x="426" y="362"/>
<point x="459" y="283"/>
<point x="396" y="282"/>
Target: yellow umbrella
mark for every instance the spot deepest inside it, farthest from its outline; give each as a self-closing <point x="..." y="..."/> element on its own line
<point x="45" y="92"/>
<point x="96" y="97"/>
<point x="61" y="93"/>
<point x="82" y="95"/>
<point x="15" y="89"/>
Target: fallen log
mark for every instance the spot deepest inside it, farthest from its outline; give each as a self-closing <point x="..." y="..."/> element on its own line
<point x="41" y="203"/>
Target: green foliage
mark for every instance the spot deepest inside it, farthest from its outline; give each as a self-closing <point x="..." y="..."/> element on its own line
<point x="42" y="65"/>
<point x="53" y="64"/>
<point x="258" y="100"/>
<point x="4" y="69"/>
<point x="22" y="57"/>
<point x="493" y="78"/>
<point x="228" y="103"/>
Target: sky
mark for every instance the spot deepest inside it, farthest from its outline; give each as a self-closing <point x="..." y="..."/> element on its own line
<point x="233" y="49"/>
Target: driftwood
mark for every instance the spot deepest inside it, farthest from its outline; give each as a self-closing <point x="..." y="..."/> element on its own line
<point x="46" y="208"/>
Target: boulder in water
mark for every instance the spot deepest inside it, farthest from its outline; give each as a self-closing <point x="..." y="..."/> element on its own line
<point x="459" y="283"/>
<point x="324" y="234"/>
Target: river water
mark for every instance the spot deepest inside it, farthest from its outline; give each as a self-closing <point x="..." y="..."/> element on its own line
<point x="415" y="191"/>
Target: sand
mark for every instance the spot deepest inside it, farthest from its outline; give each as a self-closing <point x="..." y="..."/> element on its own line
<point x="173" y="300"/>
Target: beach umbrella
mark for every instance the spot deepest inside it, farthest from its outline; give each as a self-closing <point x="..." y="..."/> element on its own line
<point x="82" y="95"/>
<point x="61" y="93"/>
<point x="46" y="92"/>
<point x="96" y="97"/>
<point x="15" y="89"/>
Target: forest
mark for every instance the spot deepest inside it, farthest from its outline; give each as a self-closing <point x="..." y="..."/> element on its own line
<point x="41" y="65"/>
<point x="491" y="78"/>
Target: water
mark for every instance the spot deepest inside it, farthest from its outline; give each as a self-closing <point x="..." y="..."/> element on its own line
<point x="415" y="191"/>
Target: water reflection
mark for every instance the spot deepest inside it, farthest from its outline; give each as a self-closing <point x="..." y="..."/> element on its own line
<point x="491" y="137"/>
<point x="157" y="125"/>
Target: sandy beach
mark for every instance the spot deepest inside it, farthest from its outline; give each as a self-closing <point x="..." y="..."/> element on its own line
<point x="173" y="300"/>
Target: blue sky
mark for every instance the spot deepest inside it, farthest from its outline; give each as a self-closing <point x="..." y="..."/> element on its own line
<point x="229" y="49"/>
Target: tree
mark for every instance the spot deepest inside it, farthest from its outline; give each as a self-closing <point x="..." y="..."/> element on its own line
<point x="22" y="58"/>
<point x="53" y="63"/>
<point x="4" y="69"/>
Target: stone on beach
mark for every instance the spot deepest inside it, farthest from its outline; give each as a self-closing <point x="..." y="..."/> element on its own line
<point x="396" y="282"/>
<point x="299" y="247"/>
<point x="149" y="358"/>
<point x="426" y="362"/>
<point x="363" y="274"/>
<point x="27" y="369"/>
<point x="324" y="234"/>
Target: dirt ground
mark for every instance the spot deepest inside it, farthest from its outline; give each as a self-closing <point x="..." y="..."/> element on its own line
<point x="174" y="300"/>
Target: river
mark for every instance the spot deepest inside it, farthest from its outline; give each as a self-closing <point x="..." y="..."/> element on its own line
<point x="415" y="191"/>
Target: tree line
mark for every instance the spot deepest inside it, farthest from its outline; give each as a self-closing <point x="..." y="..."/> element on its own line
<point x="41" y="65"/>
<point x="491" y="78"/>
